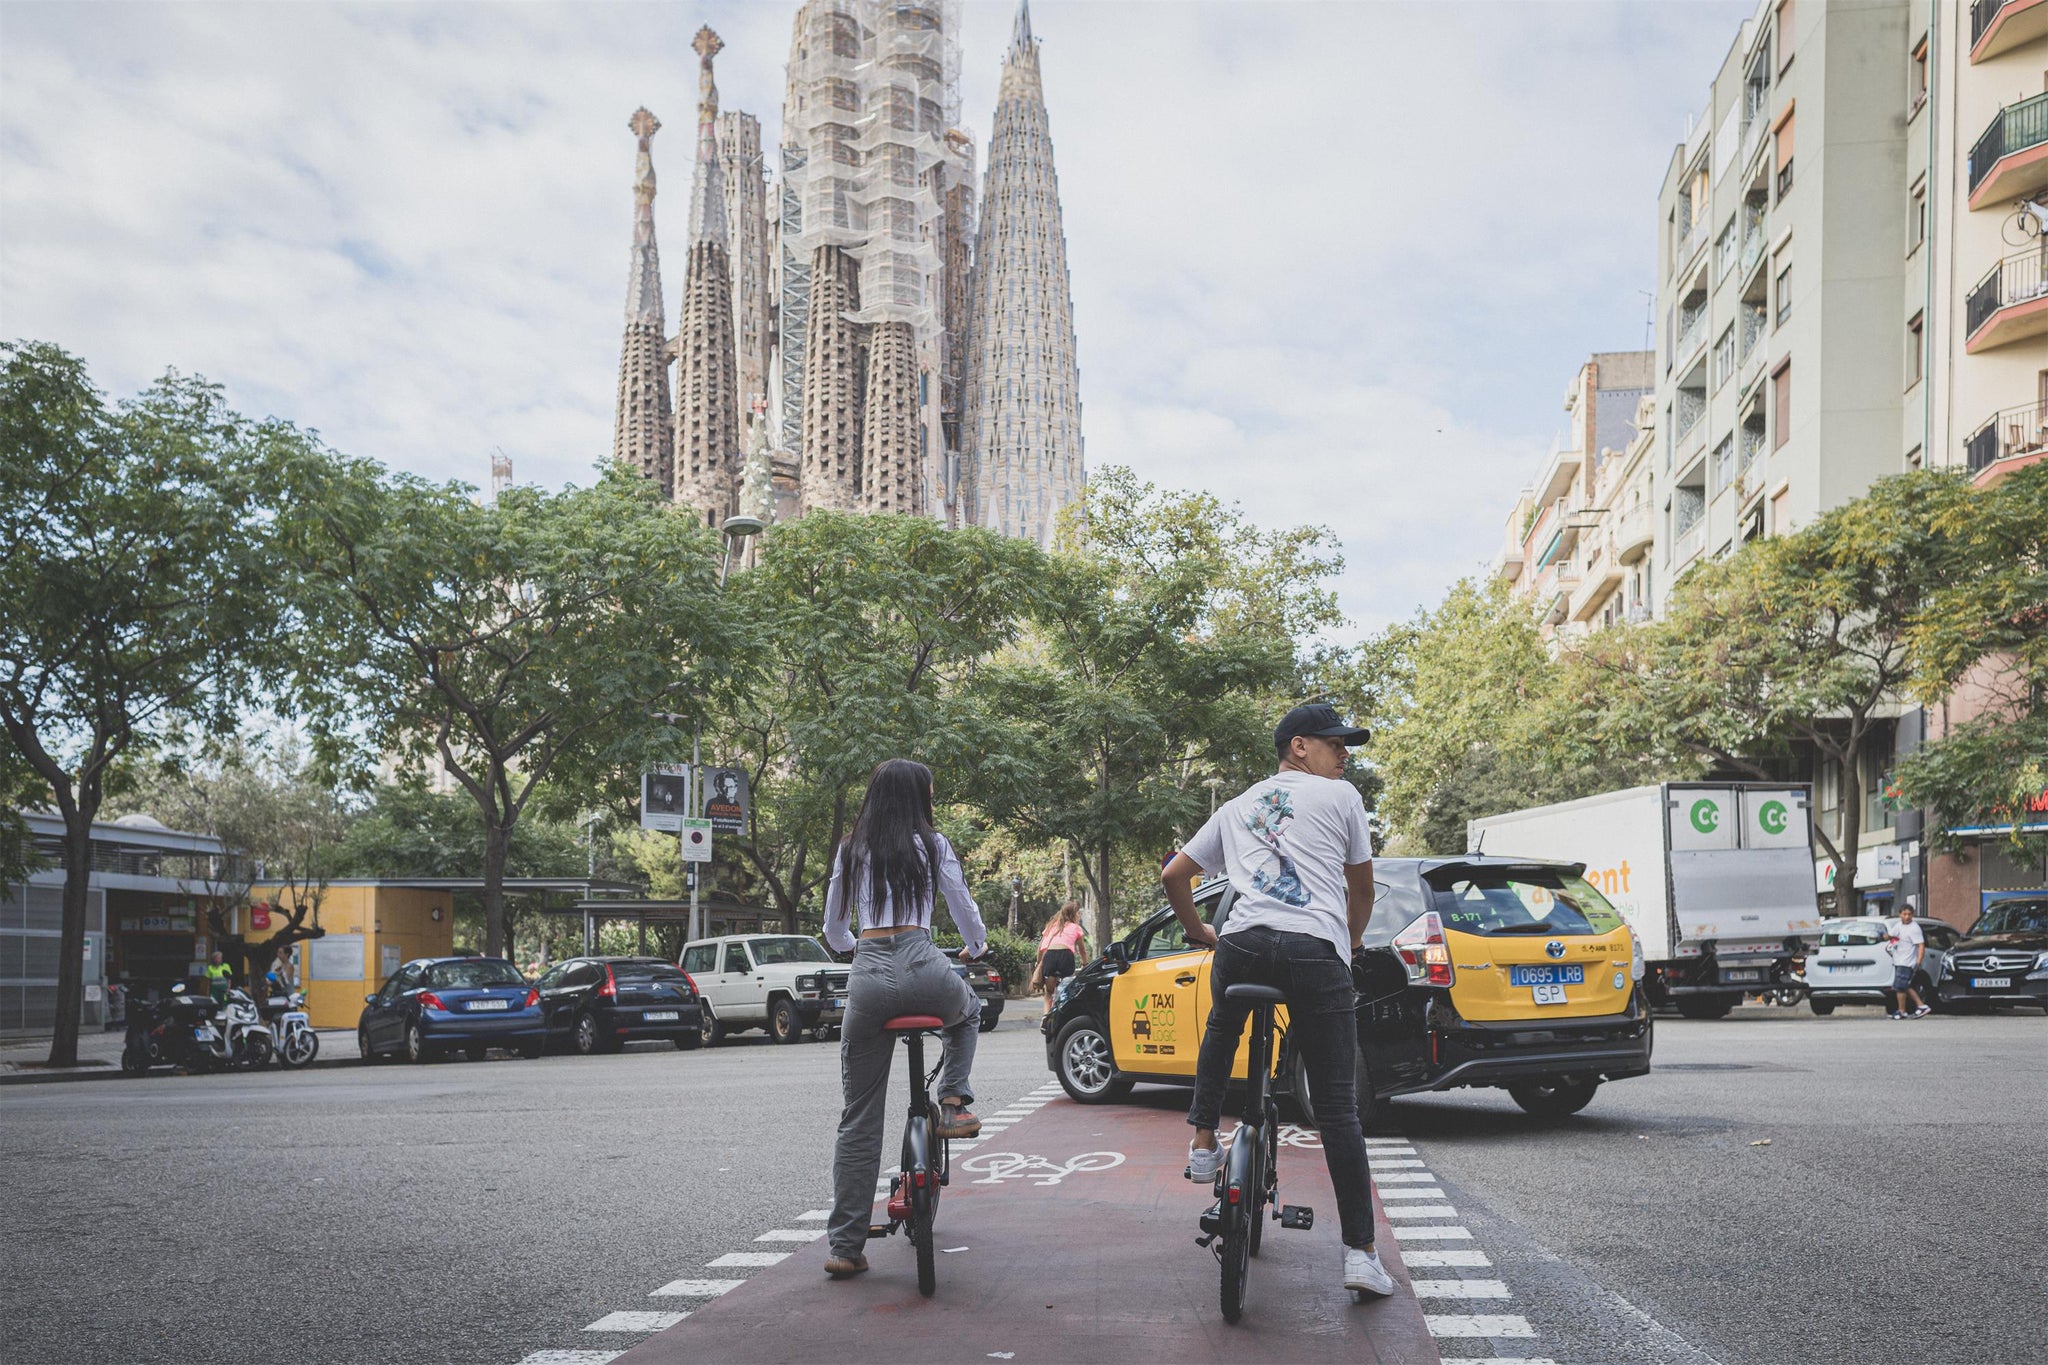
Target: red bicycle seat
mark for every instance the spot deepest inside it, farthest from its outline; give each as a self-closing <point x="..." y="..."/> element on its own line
<point x="913" y="1023"/>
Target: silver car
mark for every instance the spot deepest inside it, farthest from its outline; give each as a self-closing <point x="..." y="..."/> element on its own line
<point x="1853" y="968"/>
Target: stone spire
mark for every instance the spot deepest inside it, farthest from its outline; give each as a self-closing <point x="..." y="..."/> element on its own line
<point x="707" y="459"/>
<point x="746" y="214"/>
<point x="643" y="425"/>
<point x="1024" y="387"/>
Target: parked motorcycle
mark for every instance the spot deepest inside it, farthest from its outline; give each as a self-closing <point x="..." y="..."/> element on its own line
<point x="175" y="1030"/>
<point x="297" y="1044"/>
<point x="245" y="1039"/>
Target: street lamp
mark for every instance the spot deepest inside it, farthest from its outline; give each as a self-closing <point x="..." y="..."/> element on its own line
<point x="736" y="529"/>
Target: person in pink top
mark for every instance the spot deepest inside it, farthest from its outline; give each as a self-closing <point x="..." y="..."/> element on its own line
<point x="1061" y="948"/>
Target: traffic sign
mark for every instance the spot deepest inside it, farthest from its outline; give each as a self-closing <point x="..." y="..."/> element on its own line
<point x="696" y="841"/>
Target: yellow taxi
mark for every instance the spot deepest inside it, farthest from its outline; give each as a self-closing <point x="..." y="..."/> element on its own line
<point x="1474" y="971"/>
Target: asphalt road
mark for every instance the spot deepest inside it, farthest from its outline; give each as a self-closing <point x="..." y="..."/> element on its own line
<point x="477" y="1213"/>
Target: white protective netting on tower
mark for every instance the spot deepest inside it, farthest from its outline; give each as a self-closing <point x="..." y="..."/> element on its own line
<point x="823" y="117"/>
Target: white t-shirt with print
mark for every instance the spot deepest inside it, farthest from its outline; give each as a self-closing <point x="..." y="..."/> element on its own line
<point x="1905" y="944"/>
<point x="1284" y="844"/>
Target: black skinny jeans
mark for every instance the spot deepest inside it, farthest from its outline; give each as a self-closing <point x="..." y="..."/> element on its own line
<point x="1322" y="1018"/>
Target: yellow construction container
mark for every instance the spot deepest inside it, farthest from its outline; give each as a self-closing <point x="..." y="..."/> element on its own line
<point x="373" y="927"/>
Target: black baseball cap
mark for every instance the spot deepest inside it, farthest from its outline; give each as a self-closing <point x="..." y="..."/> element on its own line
<point x="1317" y="718"/>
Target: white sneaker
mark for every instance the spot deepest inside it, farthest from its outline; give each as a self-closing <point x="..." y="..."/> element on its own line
<point x="1203" y="1164"/>
<point x="1363" y="1271"/>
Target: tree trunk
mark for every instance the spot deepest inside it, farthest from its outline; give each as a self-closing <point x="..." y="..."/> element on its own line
<point x="496" y="840"/>
<point x="1104" y="921"/>
<point x="71" y="945"/>
<point x="1849" y="900"/>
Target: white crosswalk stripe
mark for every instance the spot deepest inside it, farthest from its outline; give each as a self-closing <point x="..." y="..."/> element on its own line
<point x="814" y="1216"/>
<point x="1420" y="1211"/>
<point x="695" y="1289"/>
<point x="1455" y="1256"/>
<point x="792" y="1235"/>
<point x="1478" y="1325"/>
<point x="1433" y="1192"/>
<point x="636" y="1322"/>
<point x="1497" y="1360"/>
<point x="1459" y="1289"/>
<point x="748" y="1258"/>
<point x="571" y="1357"/>
<point x="1400" y="1164"/>
<point x="1403" y="1178"/>
<point x="1433" y="1232"/>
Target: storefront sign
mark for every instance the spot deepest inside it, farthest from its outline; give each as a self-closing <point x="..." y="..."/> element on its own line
<point x="259" y="917"/>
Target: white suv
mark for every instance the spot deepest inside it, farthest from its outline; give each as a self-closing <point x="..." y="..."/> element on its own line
<point x="784" y="983"/>
<point x="1853" y="968"/>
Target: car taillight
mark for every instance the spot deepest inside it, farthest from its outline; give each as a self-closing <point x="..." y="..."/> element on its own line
<point x="1635" y="962"/>
<point x="1424" y="951"/>
<point x="995" y="978"/>
<point x="690" y="981"/>
<point x="429" y="1000"/>
<point x="532" y="998"/>
<point x="610" y="988"/>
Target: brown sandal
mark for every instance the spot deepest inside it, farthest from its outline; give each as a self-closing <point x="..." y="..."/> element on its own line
<point x="956" y="1122"/>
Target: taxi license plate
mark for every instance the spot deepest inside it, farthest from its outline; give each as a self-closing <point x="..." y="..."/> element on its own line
<point x="1548" y="995"/>
<point x="1990" y="983"/>
<point x="1544" y="974"/>
<point x="662" y="1016"/>
<point x="490" y="1004"/>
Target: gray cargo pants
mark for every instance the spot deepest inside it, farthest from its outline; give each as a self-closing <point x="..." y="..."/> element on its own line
<point x="902" y="974"/>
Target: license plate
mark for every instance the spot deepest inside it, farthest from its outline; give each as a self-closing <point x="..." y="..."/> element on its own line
<point x="1548" y="995"/>
<point x="490" y="1004"/>
<point x="1990" y="983"/>
<point x="1544" y="974"/>
<point x="661" y="1016"/>
<point x="204" y="1035"/>
<point x="839" y="1005"/>
<point x="1752" y="974"/>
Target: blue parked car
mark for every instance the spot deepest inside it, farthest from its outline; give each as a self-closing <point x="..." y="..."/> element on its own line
<point x="438" y="1005"/>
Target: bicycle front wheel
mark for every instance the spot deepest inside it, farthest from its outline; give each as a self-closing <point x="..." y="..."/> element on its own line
<point x="923" y="1204"/>
<point x="1235" y="1256"/>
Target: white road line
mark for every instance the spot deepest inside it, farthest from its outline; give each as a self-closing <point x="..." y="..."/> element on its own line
<point x="1459" y="1289"/>
<point x="1390" y="1151"/>
<point x="1457" y="1256"/>
<point x="636" y="1321"/>
<point x="1402" y="1164"/>
<point x="695" y="1289"/>
<point x="1478" y="1325"/>
<point x="1432" y="1232"/>
<point x="1497" y="1360"/>
<point x="1386" y="1142"/>
<point x="814" y="1216"/>
<point x="792" y="1235"/>
<point x="749" y="1258"/>
<point x="571" y="1357"/>
<point x="1403" y="1178"/>
<point x="1433" y="1192"/>
<point x="1421" y="1211"/>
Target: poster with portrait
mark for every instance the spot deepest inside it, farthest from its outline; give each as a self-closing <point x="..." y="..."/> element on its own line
<point x="727" y="800"/>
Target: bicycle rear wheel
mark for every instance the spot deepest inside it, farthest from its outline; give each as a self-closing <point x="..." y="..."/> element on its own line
<point x="1235" y="1256"/>
<point x="923" y="1204"/>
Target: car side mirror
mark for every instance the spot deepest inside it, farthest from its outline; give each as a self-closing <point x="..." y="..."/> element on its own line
<point x="1119" y="953"/>
<point x="369" y="1000"/>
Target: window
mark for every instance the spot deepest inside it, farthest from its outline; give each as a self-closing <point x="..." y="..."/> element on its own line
<point x="1781" y="512"/>
<point x="1784" y="34"/>
<point x="1724" y="356"/>
<point x="700" y="958"/>
<point x="1916" y="219"/>
<point x="1782" y="132"/>
<point x="1783" y="286"/>
<point x="1915" y="348"/>
<point x="1916" y="79"/>
<point x="736" y="958"/>
<point x="473" y="973"/>
<point x="1781" y="405"/>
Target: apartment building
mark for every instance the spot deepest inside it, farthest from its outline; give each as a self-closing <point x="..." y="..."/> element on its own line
<point x="1975" y="319"/>
<point x="1577" y="540"/>
<point x="1778" y="362"/>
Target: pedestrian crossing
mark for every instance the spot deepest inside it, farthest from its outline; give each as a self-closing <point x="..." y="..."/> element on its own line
<point x="1423" y="1221"/>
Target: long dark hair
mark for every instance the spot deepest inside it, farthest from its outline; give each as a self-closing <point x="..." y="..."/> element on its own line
<point x="893" y="837"/>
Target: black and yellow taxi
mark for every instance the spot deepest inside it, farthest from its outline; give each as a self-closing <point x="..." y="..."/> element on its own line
<point x="1474" y="971"/>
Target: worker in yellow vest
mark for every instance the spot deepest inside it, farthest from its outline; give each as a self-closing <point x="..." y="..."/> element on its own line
<point x="219" y="977"/>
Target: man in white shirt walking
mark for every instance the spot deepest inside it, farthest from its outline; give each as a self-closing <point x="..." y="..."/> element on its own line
<point x="1908" y="947"/>
<point x="1298" y="849"/>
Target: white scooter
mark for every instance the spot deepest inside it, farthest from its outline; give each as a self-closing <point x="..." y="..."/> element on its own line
<point x="245" y="1040"/>
<point x="297" y="1044"/>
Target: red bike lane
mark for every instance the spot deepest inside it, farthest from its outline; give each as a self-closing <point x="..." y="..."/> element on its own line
<point x="1069" y="1237"/>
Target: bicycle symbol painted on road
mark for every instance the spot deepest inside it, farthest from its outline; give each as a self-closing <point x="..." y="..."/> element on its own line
<point x="995" y="1167"/>
<point x="1293" y="1135"/>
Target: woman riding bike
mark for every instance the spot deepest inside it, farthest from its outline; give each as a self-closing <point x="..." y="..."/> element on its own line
<point x="884" y="879"/>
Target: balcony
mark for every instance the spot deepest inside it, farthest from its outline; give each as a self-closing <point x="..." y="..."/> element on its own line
<point x="1507" y="565"/>
<point x="1634" y="531"/>
<point x="1560" y="470"/>
<point x="2009" y="304"/>
<point x="1692" y="331"/>
<point x="2011" y="440"/>
<point x="2011" y="158"/>
<point x="2001" y="25"/>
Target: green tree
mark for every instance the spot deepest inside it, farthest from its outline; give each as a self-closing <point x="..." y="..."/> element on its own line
<point x="1804" y="639"/>
<point x="1983" y="633"/>
<point x="868" y="631"/>
<point x="141" y="587"/>
<point x="1163" y="645"/>
<point x="517" y="642"/>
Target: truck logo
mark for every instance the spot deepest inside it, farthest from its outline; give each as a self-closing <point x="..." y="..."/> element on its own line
<point x="1554" y="948"/>
<point x="1771" y="815"/>
<point x="1706" y="816"/>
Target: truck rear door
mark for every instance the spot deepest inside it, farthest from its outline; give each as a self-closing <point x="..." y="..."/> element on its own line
<point x="1741" y="867"/>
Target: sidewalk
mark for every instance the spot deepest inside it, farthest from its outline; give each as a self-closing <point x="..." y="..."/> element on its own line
<point x="1069" y="1237"/>
<point x="99" y="1056"/>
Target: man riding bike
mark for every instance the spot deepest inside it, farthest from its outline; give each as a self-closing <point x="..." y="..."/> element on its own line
<point x="1298" y="849"/>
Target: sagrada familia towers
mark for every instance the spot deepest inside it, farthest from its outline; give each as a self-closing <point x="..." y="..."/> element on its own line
<point x="862" y="347"/>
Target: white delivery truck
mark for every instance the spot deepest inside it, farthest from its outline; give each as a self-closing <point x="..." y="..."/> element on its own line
<point x="1716" y="879"/>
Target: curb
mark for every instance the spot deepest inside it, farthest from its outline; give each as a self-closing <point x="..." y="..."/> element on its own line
<point x="113" y="1072"/>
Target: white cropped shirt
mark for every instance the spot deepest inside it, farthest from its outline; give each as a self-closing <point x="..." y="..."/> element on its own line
<point x="841" y="932"/>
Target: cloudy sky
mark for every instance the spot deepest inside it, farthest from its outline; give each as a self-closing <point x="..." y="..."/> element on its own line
<point x="1336" y="262"/>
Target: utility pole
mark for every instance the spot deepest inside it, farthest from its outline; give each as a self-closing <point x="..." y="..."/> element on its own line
<point x="1016" y="896"/>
